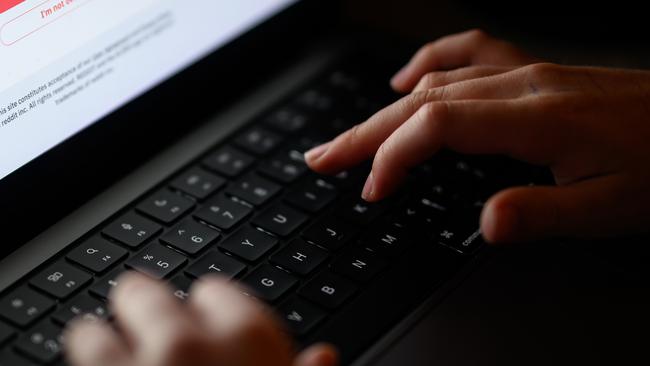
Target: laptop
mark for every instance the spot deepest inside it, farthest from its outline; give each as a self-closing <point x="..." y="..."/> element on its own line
<point x="167" y="137"/>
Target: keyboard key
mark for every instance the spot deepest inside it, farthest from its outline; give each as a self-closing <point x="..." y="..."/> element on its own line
<point x="269" y="283"/>
<point x="60" y="280"/>
<point x="280" y="220"/>
<point x="258" y="141"/>
<point x="328" y="290"/>
<point x="254" y="190"/>
<point x="311" y="197"/>
<point x="356" y="210"/>
<point x="223" y="213"/>
<point x="132" y="230"/>
<point x="359" y="265"/>
<point x="10" y="358"/>
<point x="97" y="254"/>
<point x="387" y="241"/>
<point x="329" y="233"/>
<point x="299" y="257"/>
<point x="103" y="287"/>
<point x="156" y="261"/>
<point x="249" y="243"/>
<point x="6" y="333"/>
<point x="198" y="183"/>
<point x="165" y="206"/>
<point x="23" y="306"/>
<point x="181" y="285"/>
<point x="216" y="263"/>
<point x="190" y="237"/>
<point x="228" y="161"/>
<point x="463" y="240"/>
<point x="83" y="306"/>
<point x="300" y="316"/>
<point x="286" y="167"/>
<point x="348" y="179"/>
<point x="288" y="120"/>
<point x="43" y="343"/>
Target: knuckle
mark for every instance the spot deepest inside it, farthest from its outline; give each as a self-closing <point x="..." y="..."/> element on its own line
<point x="354" y="134"/>
<point x="437" y="94"/>
<point x="434" y="115"/>
<point x="431" y="80"/>
<point x="540" y="72"/>
<point x="478" y="35"/>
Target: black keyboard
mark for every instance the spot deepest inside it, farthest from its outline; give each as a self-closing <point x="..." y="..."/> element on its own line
<point x="335" y="268"/>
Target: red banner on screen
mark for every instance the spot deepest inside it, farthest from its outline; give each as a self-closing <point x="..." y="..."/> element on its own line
<point x="8" y="4"/>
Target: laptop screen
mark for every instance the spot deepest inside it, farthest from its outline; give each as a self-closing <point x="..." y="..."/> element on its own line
<point x="65" y="64"/>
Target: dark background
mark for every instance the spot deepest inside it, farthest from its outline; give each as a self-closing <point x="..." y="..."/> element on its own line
<point x="611" y="33"/>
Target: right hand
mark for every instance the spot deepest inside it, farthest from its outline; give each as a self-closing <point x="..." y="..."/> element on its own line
<point x="589" y="125"/>
<point x="464" y="56"/>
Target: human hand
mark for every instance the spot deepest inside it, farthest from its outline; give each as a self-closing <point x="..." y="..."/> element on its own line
<point x="590" y="125"/>
<point x="217" y="326"/>
<point x="462" y="56"/>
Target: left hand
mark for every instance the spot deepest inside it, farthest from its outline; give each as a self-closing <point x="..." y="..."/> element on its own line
<point x="217" y="326"/>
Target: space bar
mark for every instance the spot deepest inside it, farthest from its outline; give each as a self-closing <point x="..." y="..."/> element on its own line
<point x="388" y="300"/>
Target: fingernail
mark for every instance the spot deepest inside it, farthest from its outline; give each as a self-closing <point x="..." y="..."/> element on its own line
<point x="368" y="188"/>
<point x="316" y="152"/>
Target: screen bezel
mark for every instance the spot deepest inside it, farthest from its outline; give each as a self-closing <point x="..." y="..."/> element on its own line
<point x="41" y="192"/>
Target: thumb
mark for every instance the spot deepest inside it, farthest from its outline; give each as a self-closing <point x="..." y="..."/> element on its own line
<point x="594" y="207"/>
<point x="317" y="355"/>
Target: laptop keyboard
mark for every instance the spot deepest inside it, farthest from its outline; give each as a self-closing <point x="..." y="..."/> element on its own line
<point x="334" y="267"/>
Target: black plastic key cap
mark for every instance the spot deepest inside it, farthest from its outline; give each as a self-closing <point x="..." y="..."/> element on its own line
<point x="104" y="286"/>
<point x="6" y="333"/>
<point x="44" y="343"/>
<point x="354" y="209"/>
<point x="198" y="183"/>
<point x="223" y="213"/>
<point x="61" y="280"/>
<point x="11" y="358"/>
<point x="328" y="290"/>
<point x="465" y="240"/>
<point x="216" y="263"/>
<point x="190" y="237"/>
<point x="132" y="230"/>
<point x="288" y="120"/>
<point x="358" y="264"/>
<point x="254" y="190"/>
<point x="97" y="254"/>
<point x="23" y="306"/>
<point x="165" y="206"/>
<point x="300" y="316"/>
<point x="228" y="161"/>
<point x="311" y="197"/>
<point x="286" y="166"/>
<point x="329" y="233"/>
<point x="269" y="283"/>
<point x="258" y="140"/>
<point x="83" y="306"/>
<point x="249" y="243"/>
<point x="156" y="261"/>
<point x="299" y="257"/>
<point x="387" y="241"/>
<point x="280" y="220"/>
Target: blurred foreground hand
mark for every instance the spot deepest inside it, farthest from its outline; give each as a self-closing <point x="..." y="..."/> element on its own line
<point x="216" y="326"/>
